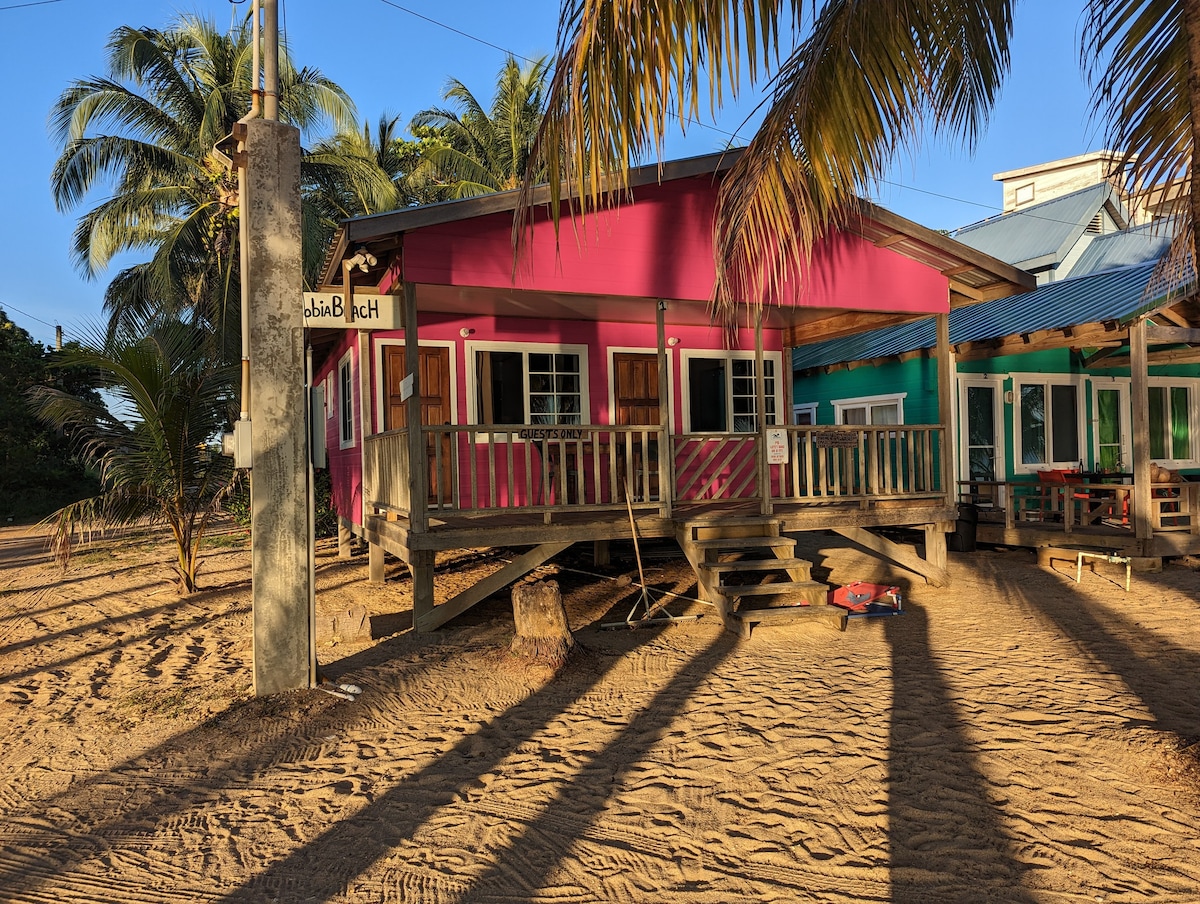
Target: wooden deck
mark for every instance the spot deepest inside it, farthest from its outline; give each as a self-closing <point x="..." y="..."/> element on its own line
<point x="547" y="488"/>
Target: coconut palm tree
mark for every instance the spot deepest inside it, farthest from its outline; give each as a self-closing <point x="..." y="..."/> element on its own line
<point x="164" y="399"/>
<point x="485" y="150"/>
<point x="360" y="172"/>
<point x="848" y="84"/>
<point x="147" y="131"/>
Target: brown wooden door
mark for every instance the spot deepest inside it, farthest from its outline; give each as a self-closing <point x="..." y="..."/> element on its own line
<point x="434" y="372"/>
<point x="635" y="388"/>
<point x="635" y="394"/>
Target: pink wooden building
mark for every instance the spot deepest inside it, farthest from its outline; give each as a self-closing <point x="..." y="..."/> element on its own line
<point x="540" y="384"/>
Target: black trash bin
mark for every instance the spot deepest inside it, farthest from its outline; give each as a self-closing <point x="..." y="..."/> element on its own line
<point x="963" y="538"/>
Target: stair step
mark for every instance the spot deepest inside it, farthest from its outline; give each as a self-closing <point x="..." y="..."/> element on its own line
<point x="747" y="618"/>
<point x="757" y="565"/>
<point x="729" y="528"/>
<point x="740" y="543"/>
<point x="777" y="588"/>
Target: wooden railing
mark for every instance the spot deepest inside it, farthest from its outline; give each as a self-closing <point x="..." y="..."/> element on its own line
<point x="385" y="471"/>
<point x="1067" y="506"/>
<point x="861" y="463"/>
<point x="570" y="468"/>
<point x="716" y="467"/>
<point x="531" y="467"/>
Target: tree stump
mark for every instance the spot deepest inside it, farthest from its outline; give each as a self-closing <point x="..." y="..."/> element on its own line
<point x="541" y="619"/>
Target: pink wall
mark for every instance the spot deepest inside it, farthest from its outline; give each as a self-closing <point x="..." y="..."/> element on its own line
<point x="660" y="246"/>
<point x="346" y="464"/>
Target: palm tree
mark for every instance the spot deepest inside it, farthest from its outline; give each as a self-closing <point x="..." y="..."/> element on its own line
<point x="355" y="173"/>
<point x="147" y="131"/>
<point x="485" y="151"/>
<point x="164" y="400"/>
<point x="847" y="86"/>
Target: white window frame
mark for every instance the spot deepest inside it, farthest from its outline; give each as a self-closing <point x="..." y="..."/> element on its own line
<point x="1122" y="386"/>
<point x="526" y="348"/>
<point x="841" y="405"/>
<point x="810" y="407"/>
<point x="1193" y="387"/>
<point x="685" y="359"/>
<point x="345" y="375"/>
<point x="1046" y="380"/>
<point x="381" y="387"/>
<point x="996" y="382"/>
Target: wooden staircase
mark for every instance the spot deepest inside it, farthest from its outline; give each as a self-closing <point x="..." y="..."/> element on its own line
<point x="750" y="573"/>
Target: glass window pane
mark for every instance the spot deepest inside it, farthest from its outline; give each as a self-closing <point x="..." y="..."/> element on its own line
<point x="854" y="415"/>
<point x="1064" y="423"/>
<point x="1108" y="429"/>
<point x="981" y="422"/>
<point x="1033" y="425"/>
<point x="706" y="395"/>
<point x="1158" y="422"/>
<point x="1181" y="441"/>
<point x="885" y="414"/>
<point x="1108" y="412"/>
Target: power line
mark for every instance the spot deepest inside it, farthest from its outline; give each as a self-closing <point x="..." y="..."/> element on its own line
<point x="34" y="3"/>
<point x="469" y="37"/>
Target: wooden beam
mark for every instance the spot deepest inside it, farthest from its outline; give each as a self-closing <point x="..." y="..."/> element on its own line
<point x="945" y="389"/>
<point x="1169" y="313"/>
<point x="513" y="571"/>
<point x="418" y="466"/>
<point x="1171" y="334"/>
<point x="889" y="240"/>
<point x="1140" y="400"/>
<point x="901" y="555"/>
<point x="841" y="323"/>
<point x="760" y="390"/>
<point x="666" y="461"/>
<point x="1101" y="356"/>
<point x="959" y="270"/>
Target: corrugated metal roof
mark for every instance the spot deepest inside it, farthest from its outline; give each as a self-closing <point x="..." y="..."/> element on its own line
<point x="1125" y="249"/>
<point x="1049" y="228"/>
<point x="1110" y="295"/>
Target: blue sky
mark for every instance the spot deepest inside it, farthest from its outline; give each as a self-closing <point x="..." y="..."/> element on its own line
<point x="389" y="59"/>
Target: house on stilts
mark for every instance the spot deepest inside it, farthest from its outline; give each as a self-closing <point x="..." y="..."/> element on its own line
<point x="468" y="401"/>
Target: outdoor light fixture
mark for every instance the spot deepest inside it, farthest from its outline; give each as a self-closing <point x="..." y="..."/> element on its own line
<point x="673" y="341"/>
<point x="465" y="332"/>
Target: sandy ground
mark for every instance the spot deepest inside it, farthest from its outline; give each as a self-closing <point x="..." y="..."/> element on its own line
<point x="1016" y="738"/>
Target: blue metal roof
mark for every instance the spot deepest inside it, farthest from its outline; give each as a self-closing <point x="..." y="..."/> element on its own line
<point x="1123" y="249"/>
<point x="1046" y="229"/>
<point x="1116" y="294"/>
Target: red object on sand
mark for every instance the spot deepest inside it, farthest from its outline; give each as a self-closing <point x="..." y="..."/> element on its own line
<point x="860" y="596"/>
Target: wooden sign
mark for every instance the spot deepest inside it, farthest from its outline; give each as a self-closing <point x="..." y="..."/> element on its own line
<point x="778" y="448"/>
<point x="371" y="312"/>
<point x="841" y="439"/>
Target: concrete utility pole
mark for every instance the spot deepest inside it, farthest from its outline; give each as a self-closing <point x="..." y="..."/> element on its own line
<point x="281" y="476"/>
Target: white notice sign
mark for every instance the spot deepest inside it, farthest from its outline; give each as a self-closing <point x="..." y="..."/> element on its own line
<point x="777" y="447"/>
<point x="406" y="388"/>
<point x="371" y="312"/>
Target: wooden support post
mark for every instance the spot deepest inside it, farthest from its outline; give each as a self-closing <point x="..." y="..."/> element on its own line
<point x="344" y="539"/>
<point x="760" y="388"/>
<point x="418" y="467"/>
<point x="600" y="551"/>
<point x="935" y="546"/>
<point x="945" y="381"/>
<point x="375" y="560"/>
<point x="428" y="618"/>
<point x="666" y="458"/>
<point x="1143" y="527"/>
<point x="901" y="555"/>
<point x="421" y="566"/>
